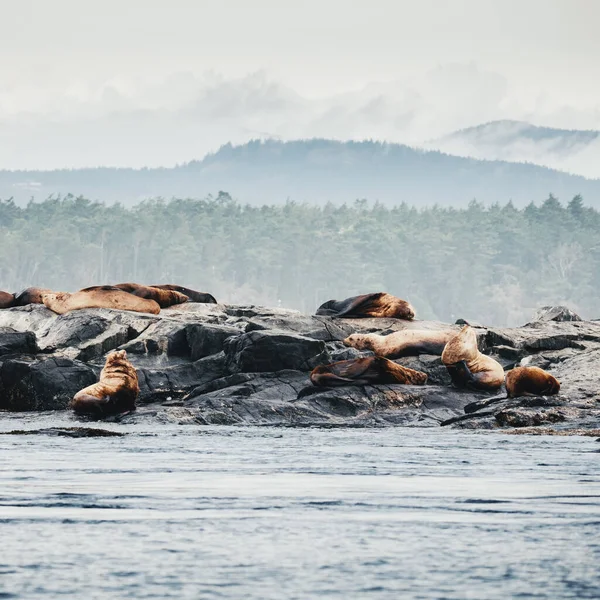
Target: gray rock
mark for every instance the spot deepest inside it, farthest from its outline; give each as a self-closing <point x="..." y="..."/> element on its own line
<point x="41" y="382"/>
<point x="260" y="351"/>
<point x="556" y="313"/>
<point x="17" y="342"/>
<point x="174" y="382"/>
<point x="206" y="339"/>
<point x="26" y="318"/>
<point x="89" y="334"/>
<point x="201" y="363"/>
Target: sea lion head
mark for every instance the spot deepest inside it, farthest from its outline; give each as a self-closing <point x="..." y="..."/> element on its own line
<point x="116" y="356"/>
<point x="410" y="311"/>
<point x="55" y="296"/>
<point x="360" y="341"/>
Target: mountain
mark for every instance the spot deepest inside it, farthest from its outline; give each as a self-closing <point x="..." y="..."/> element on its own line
<point x="571" y="150"/>
<point x="314" y="171"/>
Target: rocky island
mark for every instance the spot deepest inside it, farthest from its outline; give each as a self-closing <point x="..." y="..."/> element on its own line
<point x="249" y="365"/>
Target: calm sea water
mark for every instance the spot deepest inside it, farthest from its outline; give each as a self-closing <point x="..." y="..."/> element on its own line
<point x="199" y="512"/>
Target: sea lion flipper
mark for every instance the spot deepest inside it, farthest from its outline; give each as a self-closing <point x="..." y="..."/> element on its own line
<point x="332" y="380"/>
<point x="461" y="374"/>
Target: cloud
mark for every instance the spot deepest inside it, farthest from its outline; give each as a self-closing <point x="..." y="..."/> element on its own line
<point x="137" y="121"/>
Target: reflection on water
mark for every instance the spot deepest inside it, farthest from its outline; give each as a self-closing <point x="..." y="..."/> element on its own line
<point x="197" y="512"/>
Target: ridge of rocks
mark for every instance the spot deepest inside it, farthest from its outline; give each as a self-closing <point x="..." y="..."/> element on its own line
<point x="223" y="364"/>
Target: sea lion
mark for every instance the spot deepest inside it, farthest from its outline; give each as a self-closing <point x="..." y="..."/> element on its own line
<point x="105" y="297"/>
<point x="467" y="366"/>
<point x="6" y="299"/>
<point x="365" y="371"/>
<point x="193" y="295"/>
<point x="164" y="298"/>
<point x="530" y="381"/>
<point x="380" y="305"/>
<point x="31" y="295"/>
<point x="116" y="391"/>
<point x="408" y="342"/>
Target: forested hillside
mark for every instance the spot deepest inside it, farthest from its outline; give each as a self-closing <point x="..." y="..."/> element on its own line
<point x="315" y="171"/>
<point x="494" y="265"/>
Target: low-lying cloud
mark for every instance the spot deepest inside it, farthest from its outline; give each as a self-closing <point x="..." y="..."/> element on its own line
<point x="136" y="122"/>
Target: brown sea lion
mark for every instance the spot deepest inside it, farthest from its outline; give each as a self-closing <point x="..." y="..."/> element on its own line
<point x="116" y="391"/>
<point x="379" y="305"/>
<point x="6" y="300"/>
<point x="31" y="295"/>
<point x="106" y="297"/>
<point x="365" y="371"/>
<point x="408" y="342"/>
<point x="530" y="381"/>
<point x="193" y="295"/>
<point x="467" y="366"/>
<point x="164" y="298"/>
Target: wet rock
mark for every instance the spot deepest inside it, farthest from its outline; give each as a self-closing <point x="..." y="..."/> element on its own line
<point x="89" y="334"/>
<point x="223" y="364"/>
<point x="260" y="351"/>
<point x="74" y="432"/>
<point x="339" y="352"/>
<point x="437" y="374"/>
<point x="521" y="417"/>
<point x="206" y="339"/>
<point x="17" y="342"/>
<point x="175" y="382"/>
<point x="553" y="431"/>
<point x="163" y="338"/>
<point x="41" y="382"/>
<point x="288" y="398"/>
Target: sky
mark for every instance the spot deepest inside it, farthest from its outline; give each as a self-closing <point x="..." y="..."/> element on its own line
<point x="148" y="82"/>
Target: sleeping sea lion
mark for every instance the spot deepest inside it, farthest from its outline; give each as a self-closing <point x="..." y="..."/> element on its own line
<point x="408" y="342"/>
<point x="116" y="391"/>
<point x="379" y="305"/>
<point x="365" y="371"/>
<point x="6" y="300"/>
<point x="530" y="381"/>
<point x="467" y="366"/>
<point x="164" y="298"/>
<point x="193" y="295"/>
<point x="106" y="297"/>
<point x="31" y="295"/>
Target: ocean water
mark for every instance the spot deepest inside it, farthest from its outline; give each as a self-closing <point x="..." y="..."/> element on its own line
<point x="261" y="513"/>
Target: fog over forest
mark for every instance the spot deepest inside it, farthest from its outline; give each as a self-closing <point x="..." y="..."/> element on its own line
<point x="494" y="265"/>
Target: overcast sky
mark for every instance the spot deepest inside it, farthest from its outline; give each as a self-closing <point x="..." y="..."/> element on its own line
<point x="413" y="69"/>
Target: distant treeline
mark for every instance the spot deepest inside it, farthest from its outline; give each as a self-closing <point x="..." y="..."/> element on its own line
<point x="492" y="264"/>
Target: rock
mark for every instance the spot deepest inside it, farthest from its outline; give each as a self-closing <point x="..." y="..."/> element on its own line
<point x="553" y="431"/>
<point x="206" y="340"/>
<point x="520" y="417"/>
<point x="26" y="318"/>
<point x="288" y="398"/>
<point x="556" y="313"/>
<point x="175" y="382"/>
<point x="74" y="432"/>
<point x="437" y="373"/>
<point x="339" y="352"/>
<point x="41" y="382"/>
<point x="219" y="364"/>
<point x="17" y="342"/>
<point x="164" y="337"/>
<point x="260" y="351"/>
<point x="90" y="333"/>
